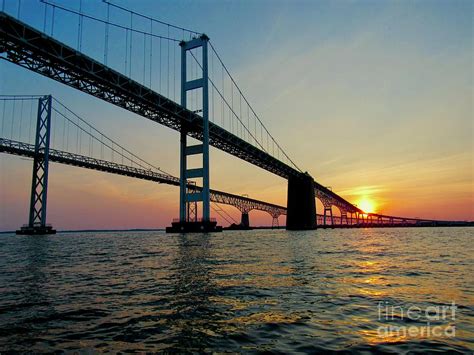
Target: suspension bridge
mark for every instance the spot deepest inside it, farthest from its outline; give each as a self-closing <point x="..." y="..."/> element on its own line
<point x="165" y="73"/>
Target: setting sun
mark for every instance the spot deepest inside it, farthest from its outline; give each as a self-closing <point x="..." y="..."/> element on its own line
<point x="366" y="205"/>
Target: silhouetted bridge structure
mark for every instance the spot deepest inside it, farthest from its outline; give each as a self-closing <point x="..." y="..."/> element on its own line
<point x="218" y="116"/>
<point x="242" y="203"/>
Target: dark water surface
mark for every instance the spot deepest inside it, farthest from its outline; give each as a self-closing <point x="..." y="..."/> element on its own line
<point x="236" y="291"/>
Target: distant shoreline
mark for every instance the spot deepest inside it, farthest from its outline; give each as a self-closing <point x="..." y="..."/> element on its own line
<point x="103" y="230"/>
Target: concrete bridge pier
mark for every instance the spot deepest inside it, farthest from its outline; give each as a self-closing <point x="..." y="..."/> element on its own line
<point x="301" y="205"/>
<point x="245" y="220"/>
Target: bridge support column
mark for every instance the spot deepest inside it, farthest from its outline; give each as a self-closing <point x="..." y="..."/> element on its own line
<point x="39" y="184"/>
<point x="301" y="206"/>
<point x="275" y="222"/>
<point x="344" y="217"/>
<point x="187" y="223"/>
<point x="328" y="213"/>
<point x="245" y="220"/>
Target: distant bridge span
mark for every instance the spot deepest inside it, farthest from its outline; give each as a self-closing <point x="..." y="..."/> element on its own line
<point x="242" y="203"/>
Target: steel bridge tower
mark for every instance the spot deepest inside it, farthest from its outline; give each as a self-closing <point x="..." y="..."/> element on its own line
<point x="39" y="184"/>
<point x="189" y="197"/>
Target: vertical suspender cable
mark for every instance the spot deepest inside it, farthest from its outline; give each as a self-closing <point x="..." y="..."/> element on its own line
<point x="52" y="21"/>
<point x="222" y="100"/>
<point x="126" y="51"/>
<point x="21" y="119"/>
<point x="67" y="136"/>
<point x="45" y="15"/>
<point x="3" y="116"/>
<point x="106" y="40"/>
<point x="31" y="121"/>
<point x="144" y="58"/>
<point x="255" y="126"/>
<point x="78" y="140"/>
<point x="212" y="114"/>
<point x="174" y="73"/>
<point x="64" y="133"/>
<point x="232" y="106"/>
<point x="268" y="145"/>
<point x="159" y="63"/>
<point x="240" y="115"/>
<point x="53" y="118"/>
<point x="79" y="28"/>
<point x="13" y="117"/>
<point x="249" y="125"/>
<point x="131" y="41"/>
<point x="168" y="69"/>
<point x="151" y="48"/>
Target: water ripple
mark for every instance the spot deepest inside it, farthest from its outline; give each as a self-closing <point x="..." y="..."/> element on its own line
<point x="252" y="291"/>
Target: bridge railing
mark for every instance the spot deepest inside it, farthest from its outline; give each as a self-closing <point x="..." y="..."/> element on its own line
<point x="176" y="220"/>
